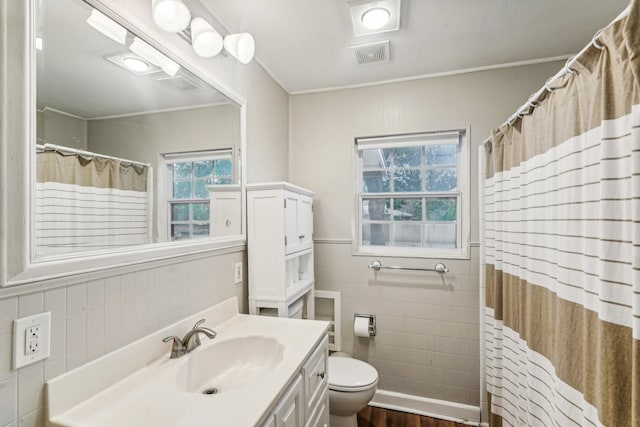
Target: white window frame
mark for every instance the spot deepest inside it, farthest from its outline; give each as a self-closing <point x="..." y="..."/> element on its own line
<point x="165" y="183"/>
<point x="463" y="196"/>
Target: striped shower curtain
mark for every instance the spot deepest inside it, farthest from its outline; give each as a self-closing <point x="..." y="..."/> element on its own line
<point x="562" y="247"/>
<point x="89" y="203"/>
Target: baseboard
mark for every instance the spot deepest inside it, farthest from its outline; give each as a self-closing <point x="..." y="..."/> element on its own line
<point x="442" y="409"/>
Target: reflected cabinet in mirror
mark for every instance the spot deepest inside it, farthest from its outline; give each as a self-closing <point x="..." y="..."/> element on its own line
<point x="131" y="147"/>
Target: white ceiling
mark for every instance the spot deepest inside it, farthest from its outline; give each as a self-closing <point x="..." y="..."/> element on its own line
<point x="304" y="44"/>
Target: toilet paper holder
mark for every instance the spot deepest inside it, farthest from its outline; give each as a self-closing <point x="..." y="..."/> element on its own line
<point x="372" y="322"/>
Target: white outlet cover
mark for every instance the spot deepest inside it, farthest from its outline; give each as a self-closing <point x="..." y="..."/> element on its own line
<point x="20" y="356"/>
<point x="237" y="272"/>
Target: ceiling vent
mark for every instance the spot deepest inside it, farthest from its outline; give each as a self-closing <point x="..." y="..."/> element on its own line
<point x="372" y="53"/>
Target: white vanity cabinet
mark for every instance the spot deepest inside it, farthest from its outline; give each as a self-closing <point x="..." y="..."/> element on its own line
<point x="305" y="403"/>
<point x="280" y="247"/>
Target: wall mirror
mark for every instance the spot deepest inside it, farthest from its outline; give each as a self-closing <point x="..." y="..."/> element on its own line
<point x="119" y="146"/>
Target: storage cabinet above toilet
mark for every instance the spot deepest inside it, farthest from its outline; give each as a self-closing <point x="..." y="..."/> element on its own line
<point x="280" y="248"/>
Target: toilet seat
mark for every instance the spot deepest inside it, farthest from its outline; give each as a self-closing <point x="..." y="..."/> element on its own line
<point x="350" y="375"/>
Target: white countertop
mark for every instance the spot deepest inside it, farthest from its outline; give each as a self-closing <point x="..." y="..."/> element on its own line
<point x="148" y="396"/>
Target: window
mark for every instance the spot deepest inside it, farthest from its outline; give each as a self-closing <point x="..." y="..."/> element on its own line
<point x="413" y="195"/>
<point x="188" y="176"/>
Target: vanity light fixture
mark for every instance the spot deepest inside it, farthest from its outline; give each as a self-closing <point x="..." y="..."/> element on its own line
<point x="241" y="46"/>
<point x="107" y="26"/>
<point x="206" y="41"/>
<point x="374" y="16"/>
<point x="172" y="16"/>
<point x="149" y="53"/>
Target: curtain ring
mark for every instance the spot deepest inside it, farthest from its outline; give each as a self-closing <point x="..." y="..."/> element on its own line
<point x="567" y="66"/>
<point x="594" y="41"/>
<point x="546" y="85"/>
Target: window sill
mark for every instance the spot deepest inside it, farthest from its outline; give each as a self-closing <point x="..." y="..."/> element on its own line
<point x="394" y="252"/>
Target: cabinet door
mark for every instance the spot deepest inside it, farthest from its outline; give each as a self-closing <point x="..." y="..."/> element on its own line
<point x="290" y="410"/>
<point x="298" y="213"/>
<point x="305" y="221"/>
<point x="225" y="214"/>
<point x="269" y="422"/>
<point x="290" y="221"/>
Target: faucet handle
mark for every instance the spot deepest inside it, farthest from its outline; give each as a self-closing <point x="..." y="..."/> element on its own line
<point x="198" y="323"/>
<point x="177" y="348"/>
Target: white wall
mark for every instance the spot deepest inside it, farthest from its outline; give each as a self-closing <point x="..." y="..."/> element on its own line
<point x="92" y="317"/>
<point x="428" y="332"/>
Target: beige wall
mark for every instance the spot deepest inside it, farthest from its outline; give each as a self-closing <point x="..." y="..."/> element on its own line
<point x="56" y="128"/>
<point x="428" y="333"/>
<point x="142" y="137"/>
<point x="93" y="318"/>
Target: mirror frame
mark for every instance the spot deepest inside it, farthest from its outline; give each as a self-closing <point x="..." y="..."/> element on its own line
<point x="17" y="159"/>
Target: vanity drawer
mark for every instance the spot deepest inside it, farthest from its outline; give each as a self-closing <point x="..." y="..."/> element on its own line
<point x="320" y="414"/>
<point x="314" y="373"/>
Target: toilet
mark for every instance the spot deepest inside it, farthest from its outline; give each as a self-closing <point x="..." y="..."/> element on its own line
<point x="352" y="384"/>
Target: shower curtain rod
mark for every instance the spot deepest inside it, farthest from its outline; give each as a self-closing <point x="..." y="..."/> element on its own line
<point x="531" y="102"/>
<point x="69" y="150"/>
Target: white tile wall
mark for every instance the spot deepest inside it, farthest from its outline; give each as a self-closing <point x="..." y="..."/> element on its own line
<point x="427" y="341"/>
<point x="93" y="318"/>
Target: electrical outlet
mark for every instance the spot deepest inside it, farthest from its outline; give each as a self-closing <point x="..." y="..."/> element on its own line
<point x="237" y="272"/>
<point x="31" y="339"/>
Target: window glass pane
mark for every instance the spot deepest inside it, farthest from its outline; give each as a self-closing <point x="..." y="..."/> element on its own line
<point x="200" y="230"/>
<point x="407" y="210"/>
<point x="200" y="212"/>
<point x="373" y="159"/>
<point x="441" y="235"/>
<point x="180" y="231"/>
<point x="223" y="167"/>
<point x="376" y="209"/>
<point x="203" y="168"/>
<point x="442" y="209"/>
<point x="441" y="154"/>
<point x="201" y="190"/>
<point x="406" y="156"/>
<point x="222" y="181"/>
<point x="180" y="212"/>
<point x="182" y="170"/>
<point x="182" y="189"/>
<point x="375" y="234"/>
<point x="407" y="235"/>
<point x="407" y="180"/>
<point x="445" y="179"/>
<point x="375" y="182"/>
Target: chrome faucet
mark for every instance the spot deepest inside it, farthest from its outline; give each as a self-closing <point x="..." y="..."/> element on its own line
<point x="190" y="341"/>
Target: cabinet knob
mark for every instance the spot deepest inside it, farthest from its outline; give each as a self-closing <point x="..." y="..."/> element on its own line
<point x="228" y="223"/>
<point x="301" y="236"/>
<point x="321" y="374"/>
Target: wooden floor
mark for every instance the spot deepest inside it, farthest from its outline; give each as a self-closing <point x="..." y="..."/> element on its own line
<point x="378" y="417"/>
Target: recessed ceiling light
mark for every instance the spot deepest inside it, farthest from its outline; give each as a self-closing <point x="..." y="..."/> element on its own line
<point x="135" y="64"/>
<point x="375" y="18"/>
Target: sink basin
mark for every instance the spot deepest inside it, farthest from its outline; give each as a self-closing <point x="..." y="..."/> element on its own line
<point x="230" y="364"/>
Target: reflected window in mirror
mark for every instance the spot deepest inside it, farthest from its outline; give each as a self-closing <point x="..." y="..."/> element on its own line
<point x="108" y="105"/>
<point x="191" y="176"/>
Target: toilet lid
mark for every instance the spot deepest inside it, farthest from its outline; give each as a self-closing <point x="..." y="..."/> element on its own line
<point x="347" y="374"/>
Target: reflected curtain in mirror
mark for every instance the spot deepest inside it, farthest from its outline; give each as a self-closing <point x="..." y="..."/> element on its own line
<point x="87" y="202"/>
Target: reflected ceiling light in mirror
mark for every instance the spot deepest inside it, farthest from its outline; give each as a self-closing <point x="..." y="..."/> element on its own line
<point x="241" y="46"/>
<point x="206" y="41"/>
<point x="135" y="64"/>
<point x="154" y="56"/>
<point x="374" y="16"/>
<point x="107" y="26"/>
<point x="170" y="15"/>
<point x="39" y="43"/>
